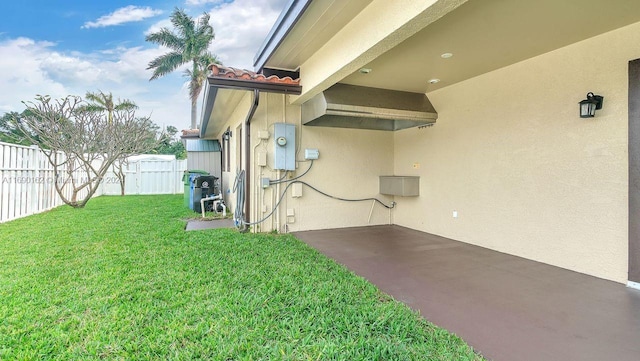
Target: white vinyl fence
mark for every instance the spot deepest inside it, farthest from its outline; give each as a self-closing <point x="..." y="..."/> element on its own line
<point x="148" y="174"/>
<point x="27" y="180"/>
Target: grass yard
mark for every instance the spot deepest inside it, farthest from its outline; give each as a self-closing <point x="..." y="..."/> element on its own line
<point x="122" y="280"/>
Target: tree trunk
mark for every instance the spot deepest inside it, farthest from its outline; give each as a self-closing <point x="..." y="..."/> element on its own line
<point x="194" y="106"/>
<point x="120" y="175"/>
<point x="118" y="170"/>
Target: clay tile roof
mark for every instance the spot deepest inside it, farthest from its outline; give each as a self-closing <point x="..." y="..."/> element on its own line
<point x="229" y="72"/>
<point x="190" y="133"/>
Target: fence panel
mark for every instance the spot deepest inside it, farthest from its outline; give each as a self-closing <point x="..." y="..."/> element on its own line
<point x="27" y="180"/>
<point x="148" y="174"/>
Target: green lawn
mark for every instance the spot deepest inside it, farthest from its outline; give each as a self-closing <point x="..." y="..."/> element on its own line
<point x="122" y="280"/>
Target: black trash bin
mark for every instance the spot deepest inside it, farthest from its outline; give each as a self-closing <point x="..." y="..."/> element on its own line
<point x="188" y="178"/>
<point x="204" y="187"/>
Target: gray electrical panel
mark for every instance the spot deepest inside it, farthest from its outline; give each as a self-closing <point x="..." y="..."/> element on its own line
<point x="284" y="139"/>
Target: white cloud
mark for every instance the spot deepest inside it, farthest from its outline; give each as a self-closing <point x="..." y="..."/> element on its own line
<point x="202" y="2"/>
<point x="21" y="74"/>
<point x="241" y="27"/>
<point x="37" y="68"/>
<point x="166" y="23"/>
<point x="70" y="69"/>
<point x="123" y="15"/>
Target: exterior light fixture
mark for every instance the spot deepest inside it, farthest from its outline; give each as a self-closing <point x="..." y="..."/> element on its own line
<point x="365" y="70"/>
<point x="434" y="81"/>
<point x="226" y="135"/>
<point x="446" y="55"/>
<point x="589" y="106"/>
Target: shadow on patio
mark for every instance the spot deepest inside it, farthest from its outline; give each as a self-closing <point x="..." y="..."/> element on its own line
<point x="506" y="307"/>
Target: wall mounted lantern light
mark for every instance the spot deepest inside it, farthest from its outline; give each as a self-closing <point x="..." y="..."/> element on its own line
<point x="226" y="135"/>
<point x="589" y="106"/>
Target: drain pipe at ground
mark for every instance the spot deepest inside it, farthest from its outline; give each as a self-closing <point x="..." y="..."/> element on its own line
<point x="215" y="204"/>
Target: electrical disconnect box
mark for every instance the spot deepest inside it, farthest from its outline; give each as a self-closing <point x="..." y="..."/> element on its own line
<point x="296" y="190"/>
<point x="263" y="134"/>
<point x="284" y="136"/>
<point x="311" y="154"/>
<point x="261" y="159"/>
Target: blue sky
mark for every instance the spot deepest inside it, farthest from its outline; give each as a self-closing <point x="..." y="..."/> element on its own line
<point x="61" y="47"/>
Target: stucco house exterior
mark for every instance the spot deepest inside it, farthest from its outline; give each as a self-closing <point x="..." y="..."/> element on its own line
<point x="471" y="104"/>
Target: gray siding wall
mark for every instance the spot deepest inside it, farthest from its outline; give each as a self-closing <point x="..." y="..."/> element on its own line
<point x="209" y="161"/>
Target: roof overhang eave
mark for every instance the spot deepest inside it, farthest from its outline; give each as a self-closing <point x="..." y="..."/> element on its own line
<point x="217" y="84"/>
<point x="286" y="21"/>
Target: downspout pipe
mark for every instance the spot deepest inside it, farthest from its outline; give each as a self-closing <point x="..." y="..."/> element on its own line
<point x="247" y="148"/>
<point x="222" y="166"/>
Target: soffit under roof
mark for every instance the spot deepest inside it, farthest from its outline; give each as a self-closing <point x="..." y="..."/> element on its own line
<point x="488" y="35"/>
<point x="226" y="101"/>
<point x="321" y="20"/>
<point x="483" y="35"/>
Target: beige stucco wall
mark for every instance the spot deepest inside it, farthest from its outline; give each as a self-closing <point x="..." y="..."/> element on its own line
<point x="234" y="123"/>
<point x="348" y="167"/>
<point x="526" y="175"/>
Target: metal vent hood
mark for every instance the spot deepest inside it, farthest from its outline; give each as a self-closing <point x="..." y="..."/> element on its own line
<point x="352" y="106"/>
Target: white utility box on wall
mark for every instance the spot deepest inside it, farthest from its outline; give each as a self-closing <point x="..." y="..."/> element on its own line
<point x="311" y="154"/>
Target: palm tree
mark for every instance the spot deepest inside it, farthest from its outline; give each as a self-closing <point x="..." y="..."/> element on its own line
<point x="102" y="102"/>
<point x="189" y="43"/>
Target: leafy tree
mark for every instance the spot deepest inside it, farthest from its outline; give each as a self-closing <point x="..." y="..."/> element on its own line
<point x="189" y="43"/>
<point x="171" y="131"/>
<point x="9" y="133"/>
<point x="80" y="144"/>
<point x="169" y="144"/>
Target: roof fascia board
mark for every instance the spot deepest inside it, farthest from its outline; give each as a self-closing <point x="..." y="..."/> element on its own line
<point x="203" y="145"/>
<point x="286" y="21"/>
<point x="242" y="84"/>
<point x="207" y="108"/>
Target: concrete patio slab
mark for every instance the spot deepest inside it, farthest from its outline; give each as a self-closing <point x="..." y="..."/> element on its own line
<point x="506" y="307"/>
<point x="195" y="225"/>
